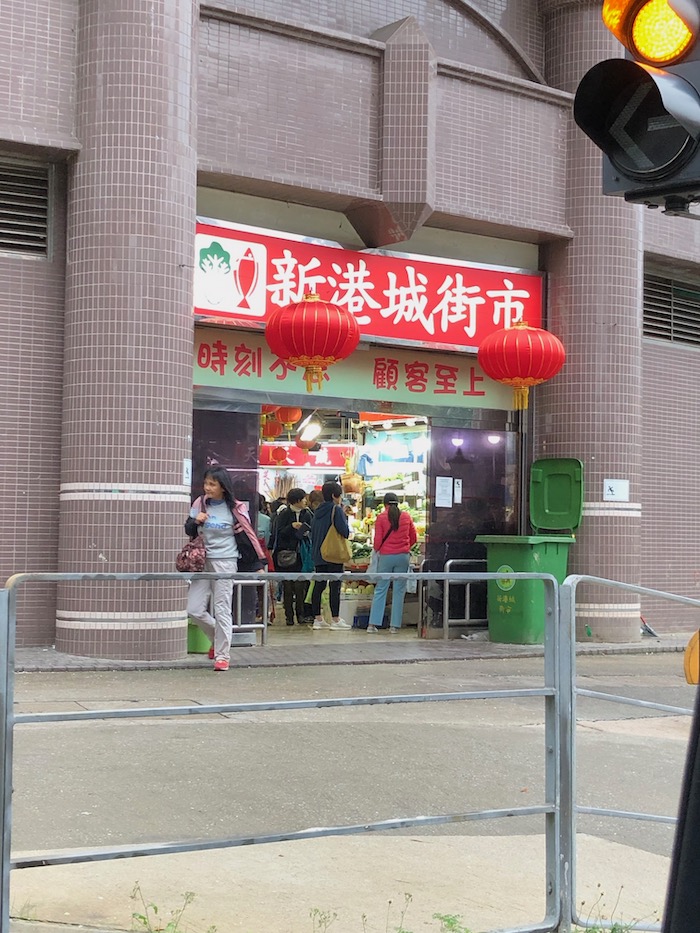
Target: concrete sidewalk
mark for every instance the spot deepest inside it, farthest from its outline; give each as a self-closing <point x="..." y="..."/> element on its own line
<point x="301" y="646"/>
<point x="491" y="881"/>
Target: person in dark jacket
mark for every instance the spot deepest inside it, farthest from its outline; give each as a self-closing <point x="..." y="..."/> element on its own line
<point x="330" y="510"/>
<point x="292" y="527"/>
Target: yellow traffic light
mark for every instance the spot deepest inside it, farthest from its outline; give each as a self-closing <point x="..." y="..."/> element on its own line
<point x="659" y="32"/>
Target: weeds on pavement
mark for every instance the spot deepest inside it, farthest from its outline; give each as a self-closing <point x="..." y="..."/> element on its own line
<point x="147" y="918"/>
<point x="595" y="916"/>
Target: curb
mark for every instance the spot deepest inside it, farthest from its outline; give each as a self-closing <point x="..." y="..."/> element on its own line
<point x="48" y="660"/>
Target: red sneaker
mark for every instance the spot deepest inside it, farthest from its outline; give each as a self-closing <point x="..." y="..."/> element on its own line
<point x="221" y="664"/>
<point x="211" y="653"/>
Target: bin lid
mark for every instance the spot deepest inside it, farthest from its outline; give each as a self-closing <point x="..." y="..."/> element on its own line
<point x="556" y="494"/>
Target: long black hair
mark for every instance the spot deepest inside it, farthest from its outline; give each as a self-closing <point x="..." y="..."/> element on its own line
<point x="223" y="477"/>
<point x="391" y="501"/>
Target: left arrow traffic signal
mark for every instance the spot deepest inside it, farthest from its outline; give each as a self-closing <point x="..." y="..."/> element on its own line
<point x="643" y="111"/>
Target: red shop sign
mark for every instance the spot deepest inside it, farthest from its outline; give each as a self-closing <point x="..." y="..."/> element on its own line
<point x="329" y="458"/>
<point x="242" y="273"/>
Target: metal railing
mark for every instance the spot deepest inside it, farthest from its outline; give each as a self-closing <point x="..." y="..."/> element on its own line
<point x="567" y="605"/>
<point x="558" y="692"/>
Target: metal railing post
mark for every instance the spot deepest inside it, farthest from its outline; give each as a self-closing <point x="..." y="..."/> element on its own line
<point x="567" y="764"/>
<point x="552" y="704"/>
<point x="7" y="651"/>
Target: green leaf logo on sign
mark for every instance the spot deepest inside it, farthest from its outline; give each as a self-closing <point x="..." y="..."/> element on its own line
<point x="505" y="584"/>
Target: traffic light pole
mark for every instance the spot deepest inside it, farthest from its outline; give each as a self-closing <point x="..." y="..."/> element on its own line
<point x="683" y="898"/>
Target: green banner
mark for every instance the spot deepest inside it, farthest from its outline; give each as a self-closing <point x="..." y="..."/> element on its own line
<point x="236" y="359"/>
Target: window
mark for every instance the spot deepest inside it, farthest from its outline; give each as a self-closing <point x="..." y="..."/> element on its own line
<point x="24" y="204"/>
<point x="671" y="309"/>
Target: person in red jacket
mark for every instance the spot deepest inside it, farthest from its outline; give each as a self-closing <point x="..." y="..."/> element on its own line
<point x="394" y="535"/>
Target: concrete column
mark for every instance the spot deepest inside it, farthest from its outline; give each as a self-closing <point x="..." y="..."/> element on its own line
<point x="593" y="409"/>
<point x="408" y="138"/>
<point x="128" y="329"/>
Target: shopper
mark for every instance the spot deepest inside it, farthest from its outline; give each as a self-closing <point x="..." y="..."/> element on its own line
<point x="218" y="516"/>
<point x="328" y="512"/>
<point x="264" y="529"/>
<point x="314" y="499"/>
<point x="394" y="535"/>
<point x="293" y="526"/>
<point x="264" y="520"/>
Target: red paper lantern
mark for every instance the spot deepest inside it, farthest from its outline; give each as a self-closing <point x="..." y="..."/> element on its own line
<point x="278" y="455"/>
<point x="314" y="334"/>
<point x="521" y="356"/>
<point x="306" y="445"/>
<point x="288" y="417"/>
<point x="271" y="429"/>
<point x="267" y="411"/>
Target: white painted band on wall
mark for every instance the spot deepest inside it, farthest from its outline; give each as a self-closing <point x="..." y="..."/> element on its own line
<point x="123" y="487"/>
<point x="126" y="497"/>
<point x="612" y="509"/>
<point x="618" y="612"/>
<point x="119" y="626"/>
<point x="120" y="616"/>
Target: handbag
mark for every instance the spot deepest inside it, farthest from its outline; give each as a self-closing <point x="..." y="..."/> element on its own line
<point x="192" y="557"/>
<point x="335" y="549"/>
<point x="307" y="560"/>
<point x="286" y="558"/>
<point x="248" y="559"/>
<point x="373" y="566"/>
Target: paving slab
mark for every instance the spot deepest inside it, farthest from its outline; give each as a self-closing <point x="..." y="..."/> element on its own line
<point x="490" y="882"/>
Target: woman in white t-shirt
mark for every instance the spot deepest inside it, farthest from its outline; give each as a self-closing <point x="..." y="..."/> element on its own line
<point x="217" y="516"/>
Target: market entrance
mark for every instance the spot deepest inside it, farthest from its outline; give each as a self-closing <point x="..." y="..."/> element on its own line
<point x="457" y="479"/>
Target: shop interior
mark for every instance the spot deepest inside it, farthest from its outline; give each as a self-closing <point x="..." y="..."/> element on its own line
<point x="456" y="483"/>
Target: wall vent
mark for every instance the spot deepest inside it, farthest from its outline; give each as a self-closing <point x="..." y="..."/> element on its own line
<point x="24" y="207"/>
<point x="671" y="309"/>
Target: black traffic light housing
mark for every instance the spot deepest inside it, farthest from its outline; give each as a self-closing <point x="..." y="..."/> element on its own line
<point x="646" y="119"/>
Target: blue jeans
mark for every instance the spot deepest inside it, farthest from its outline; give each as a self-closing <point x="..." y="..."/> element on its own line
<point x="390" y="563"/>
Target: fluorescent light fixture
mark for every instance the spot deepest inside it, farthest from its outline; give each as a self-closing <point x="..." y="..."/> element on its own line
<point x="311" y="430"/>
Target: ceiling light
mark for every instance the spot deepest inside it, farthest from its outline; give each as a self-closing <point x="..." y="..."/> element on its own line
<point x="311" y="429"/>
<point x="457" y="441"/>
<point x="494" y="438"/>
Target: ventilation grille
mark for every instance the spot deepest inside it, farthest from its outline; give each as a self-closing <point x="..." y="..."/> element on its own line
<point x="24" y="205"/>
<point x="671" y="310"/>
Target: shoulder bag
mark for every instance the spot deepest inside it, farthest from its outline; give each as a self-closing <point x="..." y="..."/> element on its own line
<point x="193" y="555"/>
<point x="251" y="556"/>
<point x="335" y="549"/>
<point x="374" y="557"/>
<point x="286" y="558"/>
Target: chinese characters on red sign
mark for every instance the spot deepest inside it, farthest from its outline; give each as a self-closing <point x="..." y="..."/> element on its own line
<point x="242" y="273"/>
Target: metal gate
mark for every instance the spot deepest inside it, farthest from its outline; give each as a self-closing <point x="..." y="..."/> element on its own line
<point x="558" y="693"/>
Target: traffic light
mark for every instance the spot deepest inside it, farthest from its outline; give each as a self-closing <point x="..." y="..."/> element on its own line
<point x="643" y="110"/>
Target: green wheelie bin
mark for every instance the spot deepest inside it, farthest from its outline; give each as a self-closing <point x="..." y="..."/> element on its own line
<point x="516" y="608"/>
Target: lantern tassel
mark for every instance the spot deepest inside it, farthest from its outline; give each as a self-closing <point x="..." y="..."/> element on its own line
<point x="520" y="397"/>
<point x="313" y="375"/>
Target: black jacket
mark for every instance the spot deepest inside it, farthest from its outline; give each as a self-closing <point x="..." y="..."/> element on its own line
<point x="288" y="538"/>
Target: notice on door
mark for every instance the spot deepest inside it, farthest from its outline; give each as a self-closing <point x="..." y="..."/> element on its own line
<point x="443" y="492"/>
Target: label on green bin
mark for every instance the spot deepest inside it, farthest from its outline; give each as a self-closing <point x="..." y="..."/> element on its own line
<point x="505" y="585"/>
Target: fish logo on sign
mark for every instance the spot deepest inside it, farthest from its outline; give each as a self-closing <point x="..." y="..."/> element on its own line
<point x="230" y="276"/>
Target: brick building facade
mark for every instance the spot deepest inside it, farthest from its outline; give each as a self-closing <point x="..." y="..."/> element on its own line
<point x="426" y="125"/>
